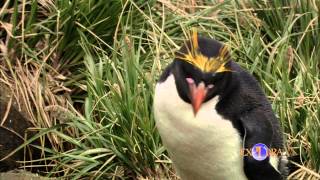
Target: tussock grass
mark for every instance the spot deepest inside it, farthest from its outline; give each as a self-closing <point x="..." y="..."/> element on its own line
<point x="84" y="73"/>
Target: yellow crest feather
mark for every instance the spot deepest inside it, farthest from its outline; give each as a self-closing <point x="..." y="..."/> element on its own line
<point x="204" y="63"/>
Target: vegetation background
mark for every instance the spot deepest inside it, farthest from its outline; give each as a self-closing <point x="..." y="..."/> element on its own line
<point x="83" y="71"/>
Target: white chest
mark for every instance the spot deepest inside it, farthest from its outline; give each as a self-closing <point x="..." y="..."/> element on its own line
<point x="203" y="147"/>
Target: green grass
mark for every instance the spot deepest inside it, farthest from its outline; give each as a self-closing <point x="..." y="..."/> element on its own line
<point x="86" y="70"/>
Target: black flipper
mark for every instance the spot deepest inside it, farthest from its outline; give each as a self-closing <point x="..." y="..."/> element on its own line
<point x="258" y="129"/>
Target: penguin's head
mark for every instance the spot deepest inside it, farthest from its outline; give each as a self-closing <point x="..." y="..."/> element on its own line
<point x="201" y="70"/>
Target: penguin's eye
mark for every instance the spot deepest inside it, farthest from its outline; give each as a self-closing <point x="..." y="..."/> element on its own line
<point x="189" y="80"/>
<point x="210" y="86"/>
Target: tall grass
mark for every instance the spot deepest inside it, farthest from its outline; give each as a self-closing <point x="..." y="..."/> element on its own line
<point x="86" y="70"/>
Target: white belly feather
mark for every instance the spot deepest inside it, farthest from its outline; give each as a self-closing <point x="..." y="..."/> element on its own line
<point x="205" y="147"/>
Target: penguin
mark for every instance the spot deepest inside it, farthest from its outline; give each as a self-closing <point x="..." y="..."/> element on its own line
<point x="209" y="111"/>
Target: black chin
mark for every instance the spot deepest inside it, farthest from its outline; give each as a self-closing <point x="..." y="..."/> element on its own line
<point x="180" y="76"/>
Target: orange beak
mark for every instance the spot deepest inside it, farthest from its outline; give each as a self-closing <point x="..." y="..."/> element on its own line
<point x="197" y="94"/>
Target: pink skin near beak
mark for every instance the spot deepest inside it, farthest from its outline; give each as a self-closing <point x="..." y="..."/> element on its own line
<point x="197" y="94"/>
